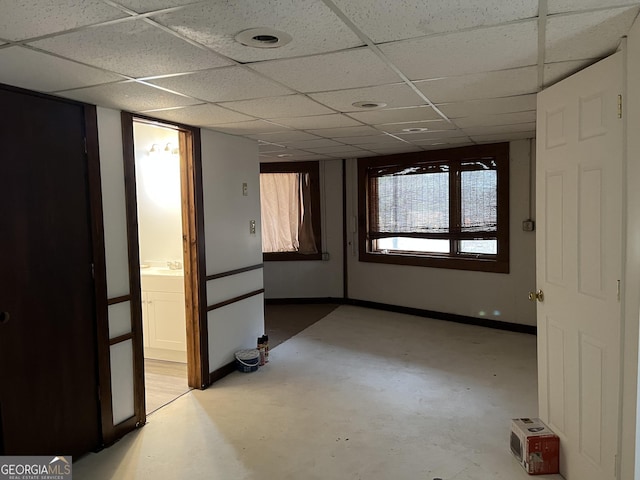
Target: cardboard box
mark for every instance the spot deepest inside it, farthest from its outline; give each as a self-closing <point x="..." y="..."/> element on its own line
<point x="535" y="446"/>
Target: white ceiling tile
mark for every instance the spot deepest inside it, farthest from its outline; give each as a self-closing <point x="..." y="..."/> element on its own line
<point x="270" y="148"/>
<point x="500" y="129"/>
<point x="431" y="135"/>
<point x="385" y="21"/>
<point x="398" y="115"/>
<point x="313" y="26"/>
<point x="335" y="120"/>
<point x="223" y="84"/>
<point x="24" y="19"/>
<point x="345" y="132"/>
<point x="430" y="124"/>
<point x="395" y="95"/>
<point x="331" y="71"/>
<point x="285" y="137"/>
<point x="587" y="35"/>
<point x="321" y="142"/>
<point x="443" y="141"/>
<point x="560" y="6"/>
<point x="371" y="140"/>
<point x="38" y="71"/>
<point x="481" y="50"/>
<point x="130" y="96"/>
<point x="200" y="115"/>
<point x="297" y="158"/>
<point x="503" y="137"/>
<point x="286" y="153"/>
<point x="489" y="106"/>
<point x="276" y="107"/>
<point x="247" y="128"/>
<point x="340" y="150"/>
<point x="502" y="83"/>
<point x="133" y="48"/>
<point x="502" y="119"/>
<point x="554" y="72"/>
<point x="405" y="148"/>
<point x="144" y="6"/>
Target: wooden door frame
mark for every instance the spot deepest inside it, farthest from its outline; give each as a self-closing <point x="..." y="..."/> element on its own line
<point x="193" y="249"/>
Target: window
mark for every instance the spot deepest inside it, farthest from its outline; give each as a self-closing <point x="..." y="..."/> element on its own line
<point x="290" y="209"/>
<point x="444" y="208"/>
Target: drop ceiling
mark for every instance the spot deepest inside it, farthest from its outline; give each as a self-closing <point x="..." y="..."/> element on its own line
<point x="445" y="72"/>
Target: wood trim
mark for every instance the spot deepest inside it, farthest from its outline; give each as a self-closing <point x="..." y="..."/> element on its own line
<point x="498" y="264"/>
<point x="124" y="427"/>
<point x="345" y="238"/>
<point x="304" y="301"/>
<point x="234" y="300"/>
<point x="120" y="338"/>
<point x="134" y="266"/>
<point x="234" y="272"/>
<point x="222" y="372"/>
<point x="100" y="272"/>
<point x="290" y="256"/>
<point x="120" y="299"/>
<point x="449" y="317"/>
<point x="194" y="259"/>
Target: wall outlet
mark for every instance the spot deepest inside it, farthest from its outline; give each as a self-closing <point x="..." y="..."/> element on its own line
<point x="245" y="189"/>
<point x="252" y="227"/>
<point x="325" y="256"/>
<point x="528" y="225"/>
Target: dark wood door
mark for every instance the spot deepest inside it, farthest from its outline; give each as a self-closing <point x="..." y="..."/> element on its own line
<point x="48" y="361"/>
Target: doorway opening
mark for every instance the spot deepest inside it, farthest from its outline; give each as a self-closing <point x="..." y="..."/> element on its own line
<point x="161" y="237"/>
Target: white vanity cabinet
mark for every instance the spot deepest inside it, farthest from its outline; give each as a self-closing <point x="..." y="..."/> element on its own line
<point x="163" y="317"/>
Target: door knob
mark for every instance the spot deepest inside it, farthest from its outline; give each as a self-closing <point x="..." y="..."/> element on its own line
<point x="4" y="317"/>
<point x="539" y="296"/>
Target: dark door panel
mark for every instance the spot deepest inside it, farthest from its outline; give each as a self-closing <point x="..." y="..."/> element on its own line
<point x="48" y="380"/>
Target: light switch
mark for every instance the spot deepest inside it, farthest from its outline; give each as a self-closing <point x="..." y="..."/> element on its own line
<point x="252" y="227"/>
<point x="245" y="190"/>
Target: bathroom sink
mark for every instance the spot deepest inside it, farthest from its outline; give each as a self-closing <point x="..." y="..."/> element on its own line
<point x="162" y="271"/>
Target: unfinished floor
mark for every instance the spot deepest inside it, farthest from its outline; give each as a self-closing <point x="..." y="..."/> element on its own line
<point x="361" y="394"/>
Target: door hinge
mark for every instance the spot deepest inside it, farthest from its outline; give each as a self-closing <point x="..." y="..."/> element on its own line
<point x="619" y="106"/>
<point x="618" y="290"/>
<point x="85" y="145"/>
<point x="93" y="271"/>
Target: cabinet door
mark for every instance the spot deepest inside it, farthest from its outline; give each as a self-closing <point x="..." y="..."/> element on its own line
<point x="166" y="320"/>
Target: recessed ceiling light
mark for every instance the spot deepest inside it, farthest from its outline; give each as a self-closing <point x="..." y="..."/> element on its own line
<point x="367" y="104"/>
<point x="263" y="38"/>
<point x="415" y="129"/>
<point x="283" y="155"/>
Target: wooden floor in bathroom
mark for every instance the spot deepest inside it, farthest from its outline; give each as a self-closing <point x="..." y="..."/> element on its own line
<point x="164" y="382"/>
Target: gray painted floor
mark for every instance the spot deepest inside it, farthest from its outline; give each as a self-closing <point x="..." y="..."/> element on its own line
<point x="361" y="394"/>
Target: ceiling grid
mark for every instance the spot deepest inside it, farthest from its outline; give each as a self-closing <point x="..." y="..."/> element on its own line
<point x="434" y="73"/>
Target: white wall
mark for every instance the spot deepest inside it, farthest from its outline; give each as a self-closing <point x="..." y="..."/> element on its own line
<point x="227" y="163"/>
<point x="115" y="233"/>
<point x="158" y="195"/>
<point x="494" y="296"/>
<point x="315" y="278"/>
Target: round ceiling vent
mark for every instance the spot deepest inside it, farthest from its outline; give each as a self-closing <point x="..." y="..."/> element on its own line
<point x="368" y="104"/>
<point x="263" y="38"/>
<point x="415" y="129"/>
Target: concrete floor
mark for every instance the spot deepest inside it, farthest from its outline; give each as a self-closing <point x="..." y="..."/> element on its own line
<point x="361" y="394"/>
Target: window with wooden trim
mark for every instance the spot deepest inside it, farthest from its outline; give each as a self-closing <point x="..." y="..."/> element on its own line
<point x="442" y="208"/>
<point x="290" y="210"/>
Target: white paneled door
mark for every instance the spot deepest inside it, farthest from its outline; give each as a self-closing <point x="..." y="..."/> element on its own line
<point x="579" y="262"/>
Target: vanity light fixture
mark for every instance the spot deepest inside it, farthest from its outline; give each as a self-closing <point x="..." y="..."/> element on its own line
<point x="154" y="148"/>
